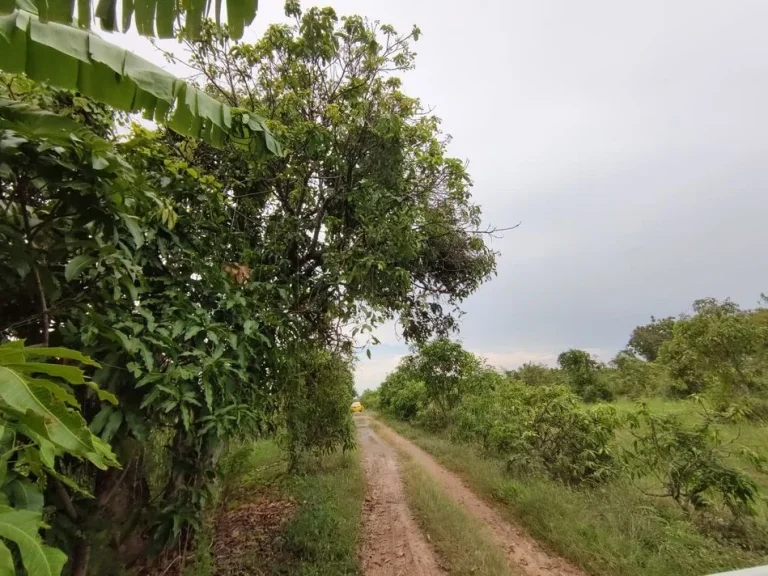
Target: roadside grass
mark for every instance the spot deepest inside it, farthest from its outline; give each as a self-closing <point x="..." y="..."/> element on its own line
<point x="321" y="536"/>
<point x="613" y="530"/>
<point x="458" y="538"/>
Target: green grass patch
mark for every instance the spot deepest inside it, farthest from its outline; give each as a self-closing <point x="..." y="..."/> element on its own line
<point x="613" y="530"/>
<point x="458" y="537"/>
<point x="321" y="536"/>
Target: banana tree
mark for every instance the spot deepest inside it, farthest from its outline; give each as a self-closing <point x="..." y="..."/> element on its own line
<point x="161" y="18"/>
<point x="51" y="42"/>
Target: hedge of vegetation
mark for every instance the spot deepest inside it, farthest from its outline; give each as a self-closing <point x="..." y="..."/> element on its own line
<point x="561" y="422"/>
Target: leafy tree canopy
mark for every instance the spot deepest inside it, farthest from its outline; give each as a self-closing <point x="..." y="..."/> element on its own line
<point x="720" y="344"/>
<point x="646" y="340"/>
<point x="365" y="212"/>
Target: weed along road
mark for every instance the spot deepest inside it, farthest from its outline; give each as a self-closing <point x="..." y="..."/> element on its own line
<point x="393" y="544"/>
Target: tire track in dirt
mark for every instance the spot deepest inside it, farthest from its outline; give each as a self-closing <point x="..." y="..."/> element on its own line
<point x="393" y="545"/>
<point x="523" y="552"/>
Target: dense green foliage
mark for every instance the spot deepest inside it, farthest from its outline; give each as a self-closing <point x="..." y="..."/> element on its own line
<point x="540" y="428"/>
<point x="582" y="373"/>
<point x="543" y="422"/>
<point x="161" y="20"/>
<point x="316" y="406"/>
<point x="612" y="529"/>
<point x="370" y="399"/>
<point x="646" y="341"/>
<point x="214" y="286"/>
<point x="40" y="426"/>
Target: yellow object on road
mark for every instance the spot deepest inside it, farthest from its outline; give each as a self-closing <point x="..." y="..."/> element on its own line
<point x="356" y="407"/>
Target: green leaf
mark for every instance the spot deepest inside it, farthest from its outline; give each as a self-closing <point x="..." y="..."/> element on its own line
<point x="192" y="331"/>
<point x="54" y="421"/>
<point x="69" y="482"/>
<point x="128" y="9"/>
<point x="26" y="495"/>
<point x="208" y="391"/>
<point x="12" y="352"/>
<point x="100" y="420"/>
<point x="164" y="18"/>
<point x="102" y="394"/>
<point x="71" y="374"/>
<point x="112" y="426"/>
<point x="77" y="265"/>
<point x="130" y="344"/>
<point x="148" y="379"/>
<point x="132" y="223"/>
<point x="106" y="11"/>
<point x="57" y="390"/>
<point x="145" y="17"/>
<point x="178" y="328"/>
<point x="99" y="163"/>
<point x="368" y="353"/>
<point x="21" y="526"/>
<point x="58" y="352"/>
<point x="240" y="13"/>
<point x="80" y="60"/>
<point x="6" y="561"/>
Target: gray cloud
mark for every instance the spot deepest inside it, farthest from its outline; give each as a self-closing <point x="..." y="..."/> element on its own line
<point x="629" y="138"/>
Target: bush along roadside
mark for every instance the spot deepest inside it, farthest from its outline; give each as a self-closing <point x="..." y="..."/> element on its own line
<point x="617" y="490"/>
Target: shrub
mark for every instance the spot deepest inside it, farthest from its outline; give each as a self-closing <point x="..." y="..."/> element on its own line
<point x="690" y="463"/>
<point x="475" y="418"/>
<point x="533" y="374"/>
<point x="447" y="371"/>
<point x="316" y="410"/>
<point x="401" y="396"/>
<point x="583" y="374"/>
<point x="370" y="399"/>
<point x="720" y="347"/>
<point x="433" y="418"/>
<point x="637" y="378"/>
<point x="542" y="429"/>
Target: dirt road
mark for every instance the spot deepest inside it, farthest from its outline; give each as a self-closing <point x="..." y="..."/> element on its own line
<point x="393" y="545"/>
<point x="524" y="554"/>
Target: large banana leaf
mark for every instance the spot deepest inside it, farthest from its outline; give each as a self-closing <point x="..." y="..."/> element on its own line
<point x="153" y="17"/>
<point x="80" y="60"/>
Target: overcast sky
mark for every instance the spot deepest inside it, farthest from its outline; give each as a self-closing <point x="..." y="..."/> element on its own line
<point x="631" y="140"/>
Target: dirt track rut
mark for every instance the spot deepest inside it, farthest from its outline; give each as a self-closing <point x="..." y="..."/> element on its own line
<point x="393" y="545"/>
<point x="524" y="554"/>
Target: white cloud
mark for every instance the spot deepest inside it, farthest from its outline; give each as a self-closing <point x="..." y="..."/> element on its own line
<point x="511" y="359"/>
<point x="370" y="373"/>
